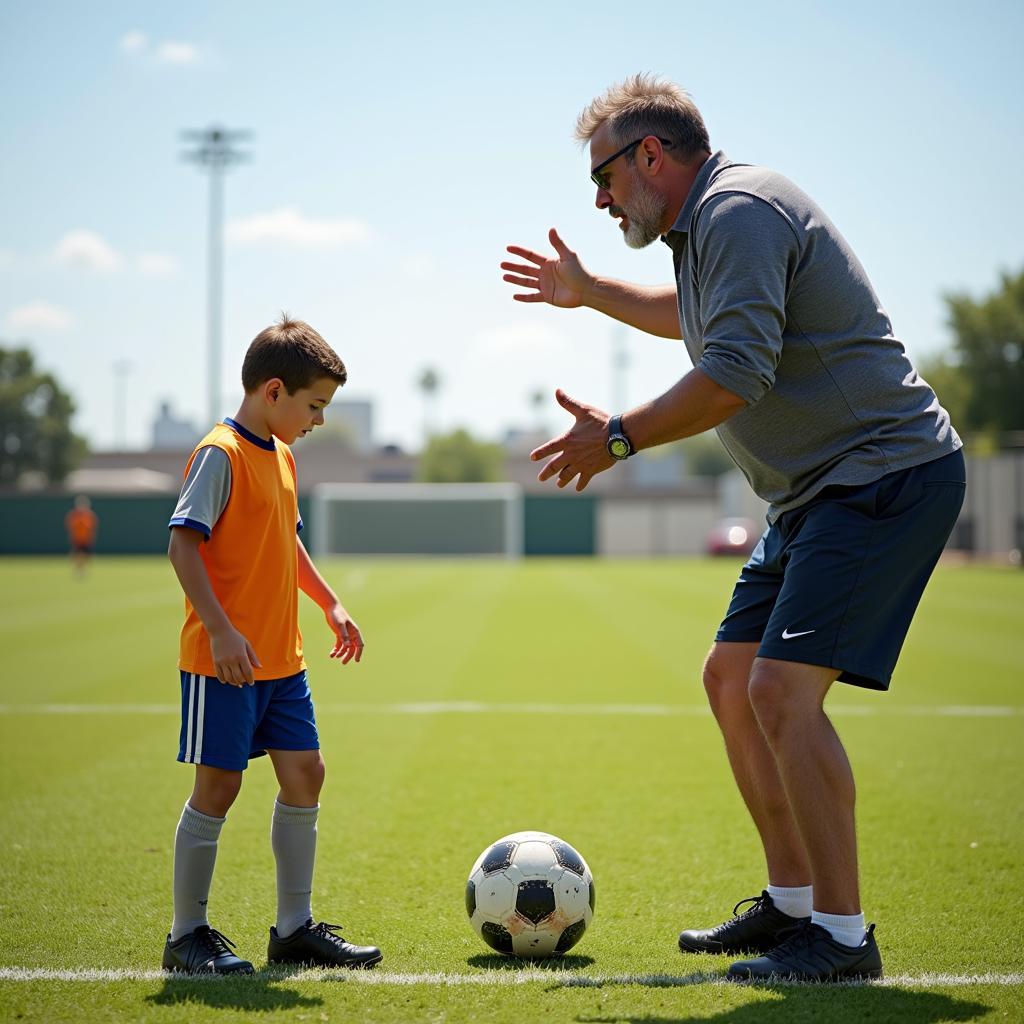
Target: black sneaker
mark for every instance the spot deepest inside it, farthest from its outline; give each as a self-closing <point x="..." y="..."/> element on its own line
<point x="756" y="930"/>
<point x="317" y="945"/>
<point x="203" y="951"/>
<point x="811" y="954"/>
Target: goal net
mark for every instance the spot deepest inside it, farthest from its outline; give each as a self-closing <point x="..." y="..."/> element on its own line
<point x="417" y="519"/>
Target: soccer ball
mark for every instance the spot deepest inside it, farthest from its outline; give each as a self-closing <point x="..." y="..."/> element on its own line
<point x="530" y="894"/>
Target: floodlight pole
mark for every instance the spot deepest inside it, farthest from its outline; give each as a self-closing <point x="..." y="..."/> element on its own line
<point x="620" y="364"/>
<point x="214" y="154"/>
<point x="122" y="367"/>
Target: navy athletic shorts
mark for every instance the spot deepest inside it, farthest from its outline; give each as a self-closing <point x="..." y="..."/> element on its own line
<point x="836" y="581"/>
<point x="224" y="725"/>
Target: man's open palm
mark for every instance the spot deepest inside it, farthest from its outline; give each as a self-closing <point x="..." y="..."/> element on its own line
<point x="561" y="281"/>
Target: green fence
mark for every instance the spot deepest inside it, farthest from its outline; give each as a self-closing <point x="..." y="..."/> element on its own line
<point x="33" y="524"/>
<point x="564" y="525"/>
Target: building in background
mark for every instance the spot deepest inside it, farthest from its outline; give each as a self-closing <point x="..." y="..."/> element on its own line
<point x="171" y="433"/>
<point x="353" y="417"/>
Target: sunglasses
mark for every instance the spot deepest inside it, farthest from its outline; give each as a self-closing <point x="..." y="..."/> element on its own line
<point x="598" y="176"/>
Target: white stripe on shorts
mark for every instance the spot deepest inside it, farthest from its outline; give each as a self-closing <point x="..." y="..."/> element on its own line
<point x="188" y="725"/>
<point x="199" y="720"/>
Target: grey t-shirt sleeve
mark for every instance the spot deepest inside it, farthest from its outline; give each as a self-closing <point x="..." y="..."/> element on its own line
<point x="205" y="491"/>
<point x="746" y="253"/>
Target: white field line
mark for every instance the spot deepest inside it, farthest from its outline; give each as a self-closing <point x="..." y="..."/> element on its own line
<point x="479" y="708"/>
<point x="523" y="976"/>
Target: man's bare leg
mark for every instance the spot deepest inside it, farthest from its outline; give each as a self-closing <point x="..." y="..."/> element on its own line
<point x="787" y="698"/>
<point x="727" y="681"/>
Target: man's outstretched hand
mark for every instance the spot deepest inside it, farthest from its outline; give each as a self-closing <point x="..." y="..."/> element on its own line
<point x="561" y="281"/>
<point x="581" y="451"/>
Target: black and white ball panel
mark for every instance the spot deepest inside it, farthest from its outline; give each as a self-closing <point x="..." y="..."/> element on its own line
<point x="498" y="857"/>
<point x="530" y="894"/>
<point x="568" y="857"/>
<point x="535" y="900"/>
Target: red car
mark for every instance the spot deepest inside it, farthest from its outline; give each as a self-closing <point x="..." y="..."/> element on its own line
<point x="733" y="537"/>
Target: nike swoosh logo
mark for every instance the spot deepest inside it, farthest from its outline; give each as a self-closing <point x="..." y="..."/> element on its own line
<point x="786" y="635"/>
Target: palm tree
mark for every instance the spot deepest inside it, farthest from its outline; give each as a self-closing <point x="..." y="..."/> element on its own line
<point x="429" y="382"/>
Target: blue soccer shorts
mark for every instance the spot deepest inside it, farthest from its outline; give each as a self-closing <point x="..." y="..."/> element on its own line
<point x="224" y="726"/>
<point x="836" y="581"/>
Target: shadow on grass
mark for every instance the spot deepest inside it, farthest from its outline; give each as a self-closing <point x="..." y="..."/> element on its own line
<point x="833" y="1003"/>
<point x="261" y="991"/>
<point x="496" y="961"/>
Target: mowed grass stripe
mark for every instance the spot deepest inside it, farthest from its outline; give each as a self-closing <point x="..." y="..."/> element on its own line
<point x="478" y="708"/>
<point x="518" y="976"/>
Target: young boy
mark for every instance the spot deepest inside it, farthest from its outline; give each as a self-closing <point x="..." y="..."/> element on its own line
<point x="235" y="549"/>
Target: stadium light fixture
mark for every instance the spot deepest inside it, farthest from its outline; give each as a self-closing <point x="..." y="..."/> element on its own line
<point x="214" y="151"/>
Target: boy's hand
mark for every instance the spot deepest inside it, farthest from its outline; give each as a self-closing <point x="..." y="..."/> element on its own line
<point x="233" y="657"/>
<point x="348" y="643"/>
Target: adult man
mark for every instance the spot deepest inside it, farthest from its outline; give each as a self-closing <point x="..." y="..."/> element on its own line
<point x="796" y="365"/>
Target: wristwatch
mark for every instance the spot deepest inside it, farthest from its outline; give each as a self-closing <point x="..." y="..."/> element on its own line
<point x="619" y="446"/>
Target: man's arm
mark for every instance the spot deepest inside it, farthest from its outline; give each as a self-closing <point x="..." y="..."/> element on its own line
<point x="564" y="281"/>
<point x="348" y="643"/>
<point x="232" y="654"/>
<point x="694" y="404"/>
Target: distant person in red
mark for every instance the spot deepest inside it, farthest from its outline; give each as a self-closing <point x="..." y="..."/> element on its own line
<point x="81" y="524"/>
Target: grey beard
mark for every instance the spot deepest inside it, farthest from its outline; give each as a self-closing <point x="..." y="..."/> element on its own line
<point x="646" y="210"/>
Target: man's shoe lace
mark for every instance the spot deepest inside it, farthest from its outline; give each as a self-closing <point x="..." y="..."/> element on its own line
<point x="795" y="941"/>
<point x="327" y="931"/>
<point x="760" y="903"/>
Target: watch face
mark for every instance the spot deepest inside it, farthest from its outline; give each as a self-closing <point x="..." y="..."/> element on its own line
<point x="618" y="448"/>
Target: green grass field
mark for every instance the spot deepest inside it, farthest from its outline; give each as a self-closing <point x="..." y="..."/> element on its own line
<point x="483" y="706"/>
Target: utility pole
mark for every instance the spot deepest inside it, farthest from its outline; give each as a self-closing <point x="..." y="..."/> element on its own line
<point x="620" y="363"/>
<point x="122" y="367"/>
<point x="214" y="153"/>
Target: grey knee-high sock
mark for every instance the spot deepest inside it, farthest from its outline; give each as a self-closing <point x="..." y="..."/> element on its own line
<point x="293" y="839"/>
<point x="195" y="852"/>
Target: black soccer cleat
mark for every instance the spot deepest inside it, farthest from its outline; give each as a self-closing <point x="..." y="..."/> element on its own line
<point x="811" y="954"/>
<point x="756" y="930"/>
<point x="317" y="945"/>
<point x="203" y="951"/>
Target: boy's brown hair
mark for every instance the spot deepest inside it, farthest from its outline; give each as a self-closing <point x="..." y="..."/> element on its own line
<point x="292" y="351"/>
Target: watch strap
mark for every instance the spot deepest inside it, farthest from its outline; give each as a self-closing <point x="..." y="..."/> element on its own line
<point x="615" y="432"/>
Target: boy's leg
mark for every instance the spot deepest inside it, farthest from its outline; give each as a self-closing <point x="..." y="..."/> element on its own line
<point x="300" y="774"/>
<point x="287" y="731"/>
<point x="216" y="733"/>
<point x="296" y="938"/>
<point x="195" y="845"/>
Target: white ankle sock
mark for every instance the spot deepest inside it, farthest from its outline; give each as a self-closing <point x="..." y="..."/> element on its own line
<point x="847" y="929"/>
<point x="794" y="902"/>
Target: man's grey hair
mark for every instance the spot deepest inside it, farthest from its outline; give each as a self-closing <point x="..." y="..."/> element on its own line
<point x="642" y="105"/>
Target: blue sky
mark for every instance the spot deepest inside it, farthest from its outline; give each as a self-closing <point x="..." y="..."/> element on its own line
<point x="398" y="148"/>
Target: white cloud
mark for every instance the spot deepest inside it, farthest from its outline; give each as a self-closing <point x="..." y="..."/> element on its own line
<point x="526" y="341"/>
<point x="419" y="267"/>
<point x="156" y="264"/>
<point x="38" y="316"/>
<point x="133" y="42"/>
<point x="291" y="226"/>
<point x="171" y="52"/>
<point x="87" y="250"/>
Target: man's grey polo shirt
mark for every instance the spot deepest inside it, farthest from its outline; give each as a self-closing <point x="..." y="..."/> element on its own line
<point x="775" y="307"/>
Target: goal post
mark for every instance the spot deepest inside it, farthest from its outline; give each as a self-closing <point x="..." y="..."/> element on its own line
<point x="418" y="519"/>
